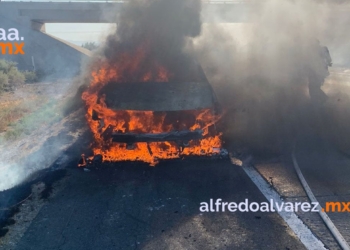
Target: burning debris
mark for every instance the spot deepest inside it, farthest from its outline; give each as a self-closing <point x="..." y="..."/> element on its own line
<point x="148" y="135"/>
<point x="134" y="105"/>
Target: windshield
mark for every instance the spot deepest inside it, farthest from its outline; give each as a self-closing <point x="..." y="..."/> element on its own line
<point x="158" y="96"/>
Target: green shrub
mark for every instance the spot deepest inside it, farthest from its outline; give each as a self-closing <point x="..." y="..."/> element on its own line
<point x="6" y="66"/>
<point x="90" y="45"/>
<point x="4" y="80"/>
<point x="15" y="77"/>
<point x="11" y="77"/>
<point x="30" y="76"/>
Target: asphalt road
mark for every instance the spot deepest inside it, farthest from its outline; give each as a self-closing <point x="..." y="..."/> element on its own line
<point x="133" y="206"/>
<point x="327" y="172"/>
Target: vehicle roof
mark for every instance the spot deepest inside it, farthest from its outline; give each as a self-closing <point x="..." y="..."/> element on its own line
<point x="158" y="96"/>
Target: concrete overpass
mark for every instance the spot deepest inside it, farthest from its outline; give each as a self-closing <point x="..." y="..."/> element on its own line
<point x="55" y="56"/>
<point x="40" y="13"/>
<point x="30" y="18"/>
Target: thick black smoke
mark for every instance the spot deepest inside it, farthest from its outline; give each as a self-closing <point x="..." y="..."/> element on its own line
<point x="259" y="71"/>
<point x="160" y="29"/>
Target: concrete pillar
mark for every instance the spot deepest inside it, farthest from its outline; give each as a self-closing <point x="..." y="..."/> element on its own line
<point x="38" y="26"/>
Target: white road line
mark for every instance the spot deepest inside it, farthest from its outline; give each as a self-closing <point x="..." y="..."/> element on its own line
<point x="299" y="228"/>
<point x="335" y="232"/>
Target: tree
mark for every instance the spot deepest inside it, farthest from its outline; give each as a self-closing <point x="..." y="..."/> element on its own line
<point x="89" y="45"/>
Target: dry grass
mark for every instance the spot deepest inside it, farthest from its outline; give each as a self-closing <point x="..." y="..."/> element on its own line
<point x="41" y="114"/>
<point x="13" y="111"/>
<point x="27" y="109"/>
<point x="11" y="114"/>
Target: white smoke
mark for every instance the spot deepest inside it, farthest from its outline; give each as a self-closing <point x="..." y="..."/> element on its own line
<point x="258" y="69"/>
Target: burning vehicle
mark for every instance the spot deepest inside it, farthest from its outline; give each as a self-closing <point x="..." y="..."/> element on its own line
<point x="147" y="99"/>
<point x="152" y="118"/>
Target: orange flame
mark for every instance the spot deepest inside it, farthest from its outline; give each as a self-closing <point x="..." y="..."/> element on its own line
<point x="127" y="69"/>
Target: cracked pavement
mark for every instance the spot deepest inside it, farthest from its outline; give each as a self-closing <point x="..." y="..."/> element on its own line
<point x="133" y="206"/>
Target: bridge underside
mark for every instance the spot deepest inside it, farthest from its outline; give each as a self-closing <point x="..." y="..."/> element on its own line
<point x="55" y="56"/>
<point x="92" y="12"/>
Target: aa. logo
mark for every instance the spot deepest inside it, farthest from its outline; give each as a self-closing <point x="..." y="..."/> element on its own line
<point x="10" y="42"/>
